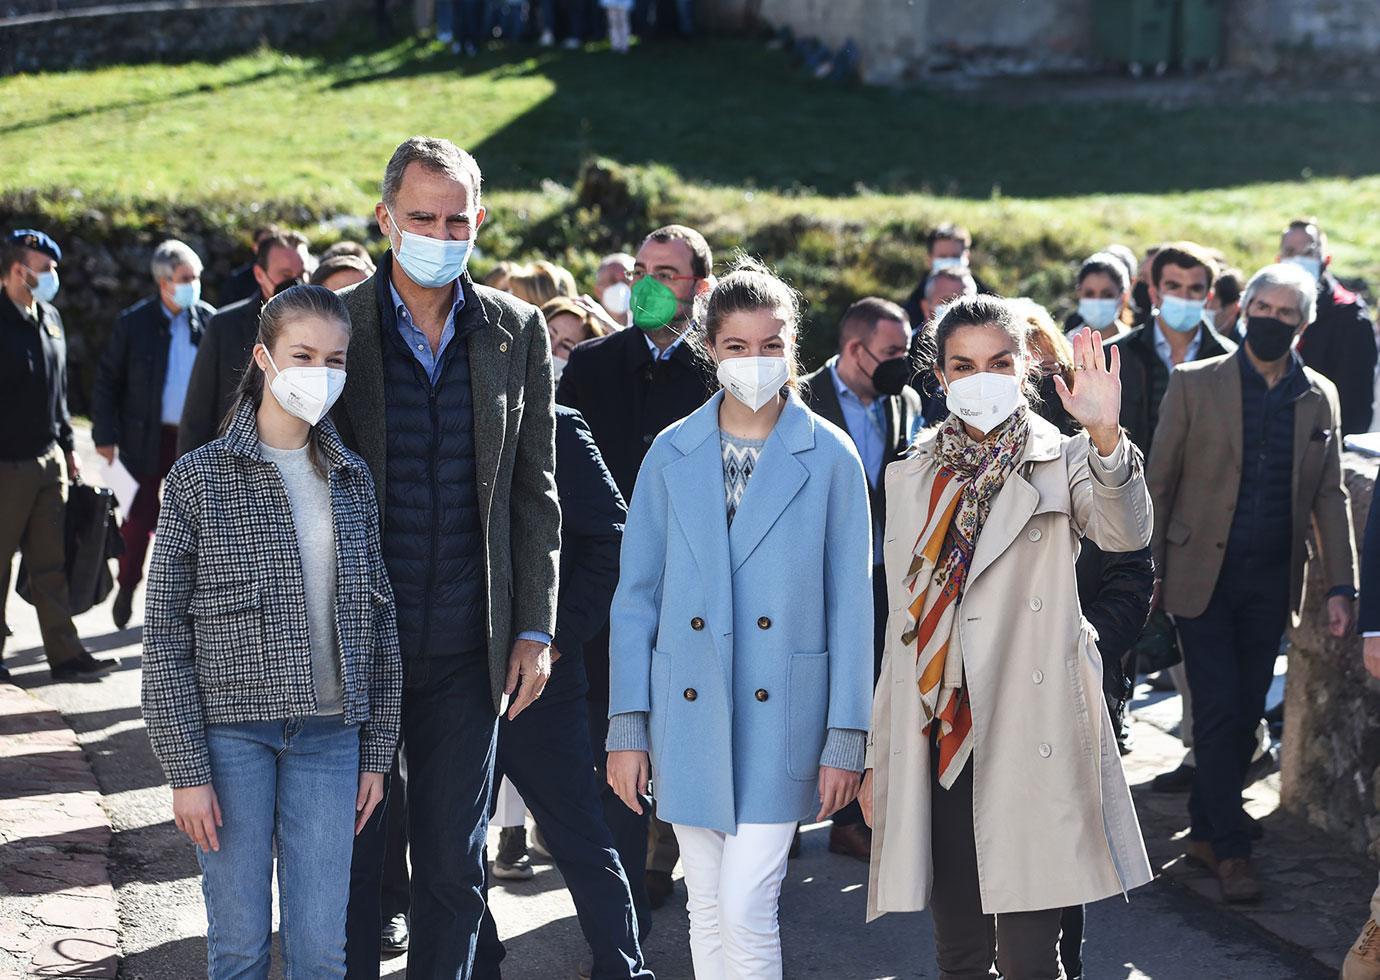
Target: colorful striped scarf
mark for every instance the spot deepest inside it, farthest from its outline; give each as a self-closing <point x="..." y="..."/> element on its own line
<point x="970" y="476"/>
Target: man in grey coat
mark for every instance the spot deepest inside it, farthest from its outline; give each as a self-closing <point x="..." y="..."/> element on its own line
<point x="449" y="401"/>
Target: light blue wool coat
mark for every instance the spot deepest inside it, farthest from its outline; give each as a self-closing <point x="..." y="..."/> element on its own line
<point x="745" y="645"/>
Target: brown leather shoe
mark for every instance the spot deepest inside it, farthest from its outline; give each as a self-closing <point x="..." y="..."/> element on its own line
<point x="1363" y="961"/>
<point x="853" y="840"/>
<point x="1199" y="854"/>
<point x="1238" y="880"/>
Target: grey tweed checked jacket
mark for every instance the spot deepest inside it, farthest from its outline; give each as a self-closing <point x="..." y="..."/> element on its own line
<point x="225" y="624"/>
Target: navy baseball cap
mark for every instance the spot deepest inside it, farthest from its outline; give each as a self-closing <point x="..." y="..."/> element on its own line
<point x="37" y="240"/>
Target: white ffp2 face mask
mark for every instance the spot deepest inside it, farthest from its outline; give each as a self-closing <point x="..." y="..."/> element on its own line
<point x="985" y="400"/>
<point x="754" y="381"/>
<point x="306" y="392"/>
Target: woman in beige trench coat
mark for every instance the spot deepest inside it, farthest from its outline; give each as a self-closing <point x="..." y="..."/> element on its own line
<point x="994" y="786"/>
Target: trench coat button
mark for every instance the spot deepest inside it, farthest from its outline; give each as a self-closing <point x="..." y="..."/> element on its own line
<point x="697" y="624"/>
<point x="761" y="694"/>
<point x="1045" y="750"/>
<point x="503" y="347"/>
<point x="1035" y="604"/>
<point x="1034" y="534"/>
<point x="691" y="694"/>
<point x="1038" y="677"/>
<point x="763" y="623"/>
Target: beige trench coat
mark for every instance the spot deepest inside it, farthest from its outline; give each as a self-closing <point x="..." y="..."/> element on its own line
<point x="1052" y="813"/>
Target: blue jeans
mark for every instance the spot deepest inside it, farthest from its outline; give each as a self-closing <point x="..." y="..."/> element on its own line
<point x="449" y="730"/>
<point x="292" y="783"/>
<point x="546" y="753"/>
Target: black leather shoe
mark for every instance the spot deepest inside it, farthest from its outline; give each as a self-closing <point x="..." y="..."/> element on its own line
<point x="395" y="936"/>
<point x="123" y="607"/>
<point x="1178" y="781"/>
<point x="659" y="888"/>
<point x="84" y="668"/>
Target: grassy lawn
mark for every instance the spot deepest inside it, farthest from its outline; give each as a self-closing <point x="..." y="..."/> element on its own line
<point x="747" y="136"/>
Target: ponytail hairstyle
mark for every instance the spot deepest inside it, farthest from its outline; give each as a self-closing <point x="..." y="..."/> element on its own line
<point x="286" y="307"/>
<point x="748" y="287"/>
<point x="976" y="311"/>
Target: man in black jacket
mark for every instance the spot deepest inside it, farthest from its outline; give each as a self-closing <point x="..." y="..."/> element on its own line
<point x="863" y="390"/>
<point x="137" y="402"/>
<point x="629" y="386"/>
<point x="1182" y="277"/>
<point x="241" y="284"/>
<point x="545" y="752"/>
<point x="1340" y="344"/>
<point x="223" y="353"/>
<point x="34" y="440"/>
<point x="949" y="247"/>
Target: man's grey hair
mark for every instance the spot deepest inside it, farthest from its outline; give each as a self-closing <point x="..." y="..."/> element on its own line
<point x="1284" y="275"/>
<point x="437" y="155"/>
<point x="172" y="255"/>
<point x="957" y="275"/>
<point x="617" y="258"/>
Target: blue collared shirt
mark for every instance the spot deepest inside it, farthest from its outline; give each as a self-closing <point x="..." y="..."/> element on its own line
<point x="657" y="353"/>
<point x="1166" y="355"/>
<point x="421" y="349"/>
<point x="181" y="354"/>
<point x="417" y="341"/>
<point x="866" y="424"/>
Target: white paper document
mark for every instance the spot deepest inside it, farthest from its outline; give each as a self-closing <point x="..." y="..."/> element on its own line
<point x="121" y="482"/>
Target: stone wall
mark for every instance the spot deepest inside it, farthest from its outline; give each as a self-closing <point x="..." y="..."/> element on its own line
<point x="901" y="39"/>
<point x="1330" y="772"/>
<point x="57" y="34"/>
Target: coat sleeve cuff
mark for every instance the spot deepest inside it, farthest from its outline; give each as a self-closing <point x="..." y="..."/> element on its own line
<point x="194" y="770"/>
<point x="376" y="753"/>
<point x="845" y="748"/>
<point x="1113" y="470"/>
<point x="628" y="732"/>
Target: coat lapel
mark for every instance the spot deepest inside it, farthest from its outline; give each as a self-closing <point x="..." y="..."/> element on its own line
<point x="1306" y="423"/>
<point x="490" y="351"/>
<point x="363" y="395"/>
<point x="1016" y="501"/>
<point x="776" y="480"/>
<point x="1226" y="391"/>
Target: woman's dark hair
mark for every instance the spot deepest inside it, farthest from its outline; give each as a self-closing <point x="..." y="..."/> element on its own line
<point x="750" y="286"/>
<point x="1107" y="264"/>
<point x="973" y="311"/>
<point x="288" y="306"/>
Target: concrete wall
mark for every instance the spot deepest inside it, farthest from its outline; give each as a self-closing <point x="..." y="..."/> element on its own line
<point x="1330" y="773"/>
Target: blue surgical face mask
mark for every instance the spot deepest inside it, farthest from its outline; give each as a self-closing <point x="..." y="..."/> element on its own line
<point x="187" y="294"/>
<point x="1098" y="313"/>
<point x="1310" y="263"/>
<point x="942" y="263"/>
<point x="431" y="262"/>
<point x="1181" y="314"/>
<point x="47" y="286"/>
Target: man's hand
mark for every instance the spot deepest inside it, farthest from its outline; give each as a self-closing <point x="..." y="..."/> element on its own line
<point x="106" y="453"/>
<point x="1339" y="616"/>
<point x="529" y="668"/>
<point x="865" y="798"/>
<point x="1371" y="646"/>
<point x="628" y="773"/>
<point x="837" y="789"/>
<point x="73" y="468"/>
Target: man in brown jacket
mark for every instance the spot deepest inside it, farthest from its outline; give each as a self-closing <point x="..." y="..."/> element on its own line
<point x="1246" y="456"/>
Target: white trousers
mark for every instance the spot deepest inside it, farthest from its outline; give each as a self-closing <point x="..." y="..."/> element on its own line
<point x="734" y="884"/>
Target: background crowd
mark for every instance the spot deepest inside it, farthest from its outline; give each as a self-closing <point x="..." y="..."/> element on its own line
<point x="1223" y="575"/>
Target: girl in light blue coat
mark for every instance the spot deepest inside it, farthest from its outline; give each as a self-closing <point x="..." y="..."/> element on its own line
<point x="741" y="650"/>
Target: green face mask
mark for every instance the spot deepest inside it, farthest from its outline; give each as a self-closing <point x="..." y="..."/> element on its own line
<point x="653" y="304"/>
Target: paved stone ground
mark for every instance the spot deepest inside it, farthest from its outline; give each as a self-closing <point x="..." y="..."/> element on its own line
<point x="1173" y="929"/>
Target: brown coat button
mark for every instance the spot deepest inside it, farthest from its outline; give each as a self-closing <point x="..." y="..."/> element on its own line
<point x="761" y="694"/>
<point x="697" y="623"/>
<point x="763" y="623"/>
<point x="691" y="694"/>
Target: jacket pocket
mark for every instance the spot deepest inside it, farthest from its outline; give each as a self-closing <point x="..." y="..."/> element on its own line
<point x="1178" y="533"/>
<point x="807" y="713"/>
<point x="229" y="630"/>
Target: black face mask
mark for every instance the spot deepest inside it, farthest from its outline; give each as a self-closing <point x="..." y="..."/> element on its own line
<point x="1268" y="338"/>
<point x="287" y="284"/>
<point x="891" y="377"/>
